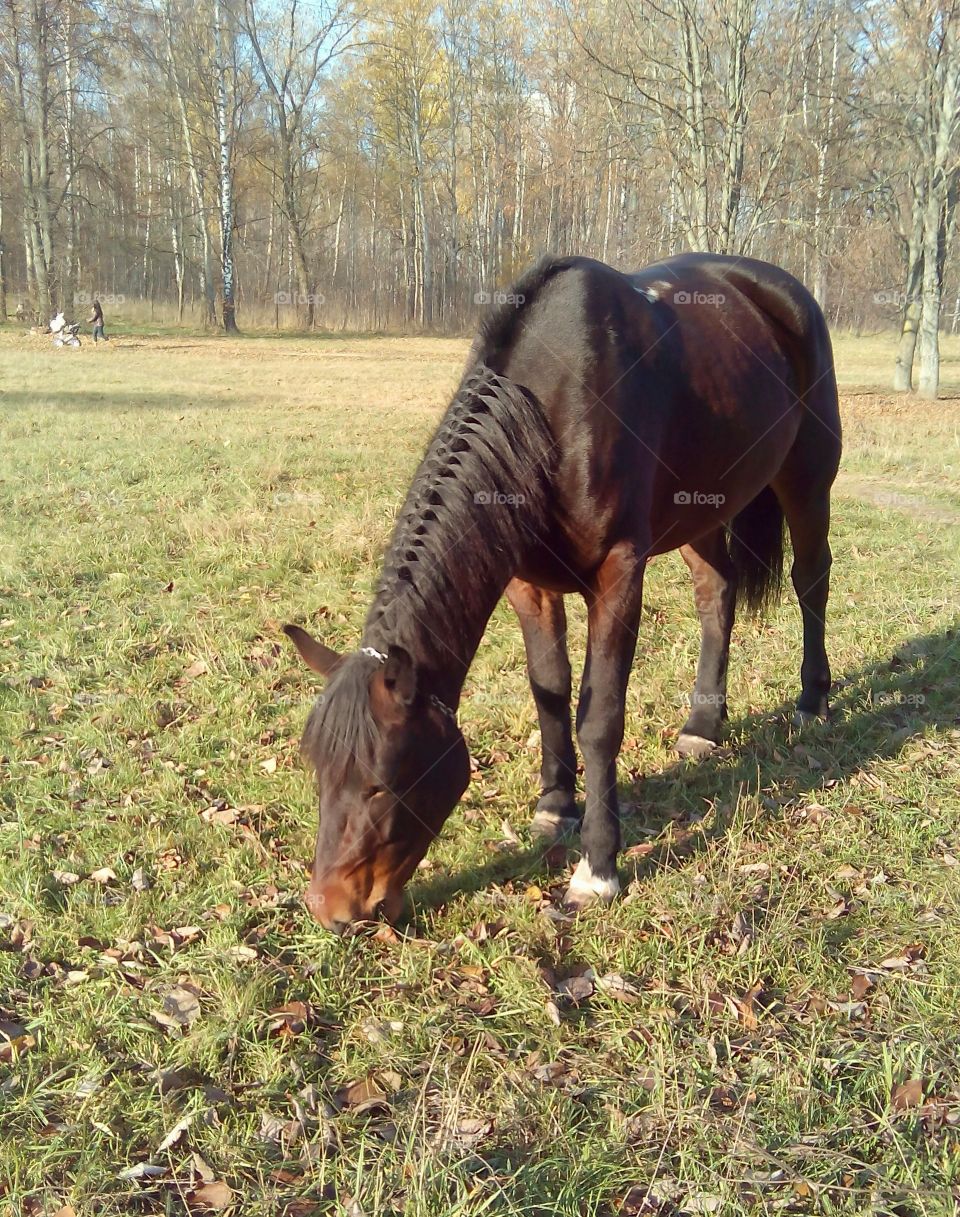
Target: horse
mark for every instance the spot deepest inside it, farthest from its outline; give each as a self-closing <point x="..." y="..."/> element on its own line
<point x="603" y="418"/>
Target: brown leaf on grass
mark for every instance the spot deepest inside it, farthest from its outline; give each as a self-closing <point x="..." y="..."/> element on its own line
<point x="104" y="876"/>
<point x="198" y="668"/>
<point x="269" y="765"/>
<point x="860" y="985"/>
<point x="577" y="987"/>
<point x="211" y="1197"/>
<point x="139" y="880"/>
<point x="65" y="878"/>
<point x="748" y="1005"/>
<point x="14" y="1039"/>
<point x="362" y="1096"/>
<point x="66" y="1211"/>
<point x="906" y="1095"/>
<point x="290" y="1019"/>
<point x="467" y="1133"/>
<point x="181" y="1007"/>
<point x="907" y="960"/>
<point x="616" y="986"/>
<point x="175" y="1133"/>
<point x="552" y="1012"/>
<point x="839" y="908"/>
<point x="217" y="814"/>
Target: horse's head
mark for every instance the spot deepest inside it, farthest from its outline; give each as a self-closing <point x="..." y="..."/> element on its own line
<point x="391" y="765"/>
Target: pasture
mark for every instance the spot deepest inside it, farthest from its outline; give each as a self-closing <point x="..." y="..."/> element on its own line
<point x="765" y="1022"/>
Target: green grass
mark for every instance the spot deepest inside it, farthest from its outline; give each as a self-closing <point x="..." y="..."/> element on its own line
<point x="166" y="504"/>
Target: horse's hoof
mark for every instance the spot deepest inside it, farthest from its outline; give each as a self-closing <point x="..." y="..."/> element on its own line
<point x="550" y="827"/>
<point x="586" y="888"/>
<point x="556" y="817"/>
<point x="697" y="747"/>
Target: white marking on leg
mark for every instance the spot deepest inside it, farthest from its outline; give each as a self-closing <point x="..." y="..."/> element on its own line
<point x="585" y="883"/>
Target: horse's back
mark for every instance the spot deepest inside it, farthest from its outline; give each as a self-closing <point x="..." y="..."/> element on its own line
<point x="675" y="394"/>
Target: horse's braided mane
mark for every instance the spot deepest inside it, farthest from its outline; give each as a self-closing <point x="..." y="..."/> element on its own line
<point x="477" y="501"/>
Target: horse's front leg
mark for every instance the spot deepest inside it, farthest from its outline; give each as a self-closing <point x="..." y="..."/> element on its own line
<point x="613" y="616"/>
<point x="543" y="621"/>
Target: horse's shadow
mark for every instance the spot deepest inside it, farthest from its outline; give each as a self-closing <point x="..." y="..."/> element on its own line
<point x="876" y="709"/>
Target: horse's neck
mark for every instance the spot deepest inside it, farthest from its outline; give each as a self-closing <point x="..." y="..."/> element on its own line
<point x="442" y="625"/>
<point x="477" y="502"/>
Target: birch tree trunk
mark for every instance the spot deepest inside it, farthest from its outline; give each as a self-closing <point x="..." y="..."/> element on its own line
<point x="225" y="138"/>
<point x="208" y="289"/>
<point x="911" y="305"/>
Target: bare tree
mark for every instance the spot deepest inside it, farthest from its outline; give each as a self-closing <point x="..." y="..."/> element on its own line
<point x="293" y="51"/>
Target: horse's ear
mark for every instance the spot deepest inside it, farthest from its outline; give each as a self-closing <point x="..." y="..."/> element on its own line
<point x="314" y="654"/>
<point x="400" y="675"/>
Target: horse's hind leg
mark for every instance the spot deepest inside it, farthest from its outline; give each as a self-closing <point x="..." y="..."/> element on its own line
<point x="807" y="513"/>
<point x="543" y="621"/>
<point x="715" y="594"/>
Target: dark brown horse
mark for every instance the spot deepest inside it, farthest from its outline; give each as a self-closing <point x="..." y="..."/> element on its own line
<point x="603" y="418"/>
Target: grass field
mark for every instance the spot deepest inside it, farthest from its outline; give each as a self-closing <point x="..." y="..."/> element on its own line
<point x="767" y="1021"/>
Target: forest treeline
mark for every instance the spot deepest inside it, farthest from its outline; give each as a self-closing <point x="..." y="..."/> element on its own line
<point x="319" y="163"/>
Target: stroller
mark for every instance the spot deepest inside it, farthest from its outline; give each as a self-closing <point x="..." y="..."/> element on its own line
<point x="64" y="335"/>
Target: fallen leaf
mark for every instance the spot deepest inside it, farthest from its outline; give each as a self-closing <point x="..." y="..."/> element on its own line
<point x="615" y="986"/>
<point x="211" y="1197"/>
<point x="142" y="1170"/>
<point x="139" y="881"/>
<point x="181" y="1007"/>
<point x="14" y="1039"/>
<point x="358" y="1097"/>
<point x="104" y="876"/>
<point x="907" y="1095"/>
<point x="291" y="1019"/>
<point x="197" y="668"/>
<point x="269" y="765"/>
<point x="910" y="956"/>
<point x="175" y="1133"/>
<point x="577" y="988"/>
<point x="220" y="815"/>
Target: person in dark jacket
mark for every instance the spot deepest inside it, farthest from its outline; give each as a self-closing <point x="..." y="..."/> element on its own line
<point x="96" y="319"/>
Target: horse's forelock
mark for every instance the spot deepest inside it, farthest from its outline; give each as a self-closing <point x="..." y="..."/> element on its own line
<point x="341" y="729"/>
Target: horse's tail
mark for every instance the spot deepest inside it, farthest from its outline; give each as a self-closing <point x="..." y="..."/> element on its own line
<point x="756" y="548"/>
